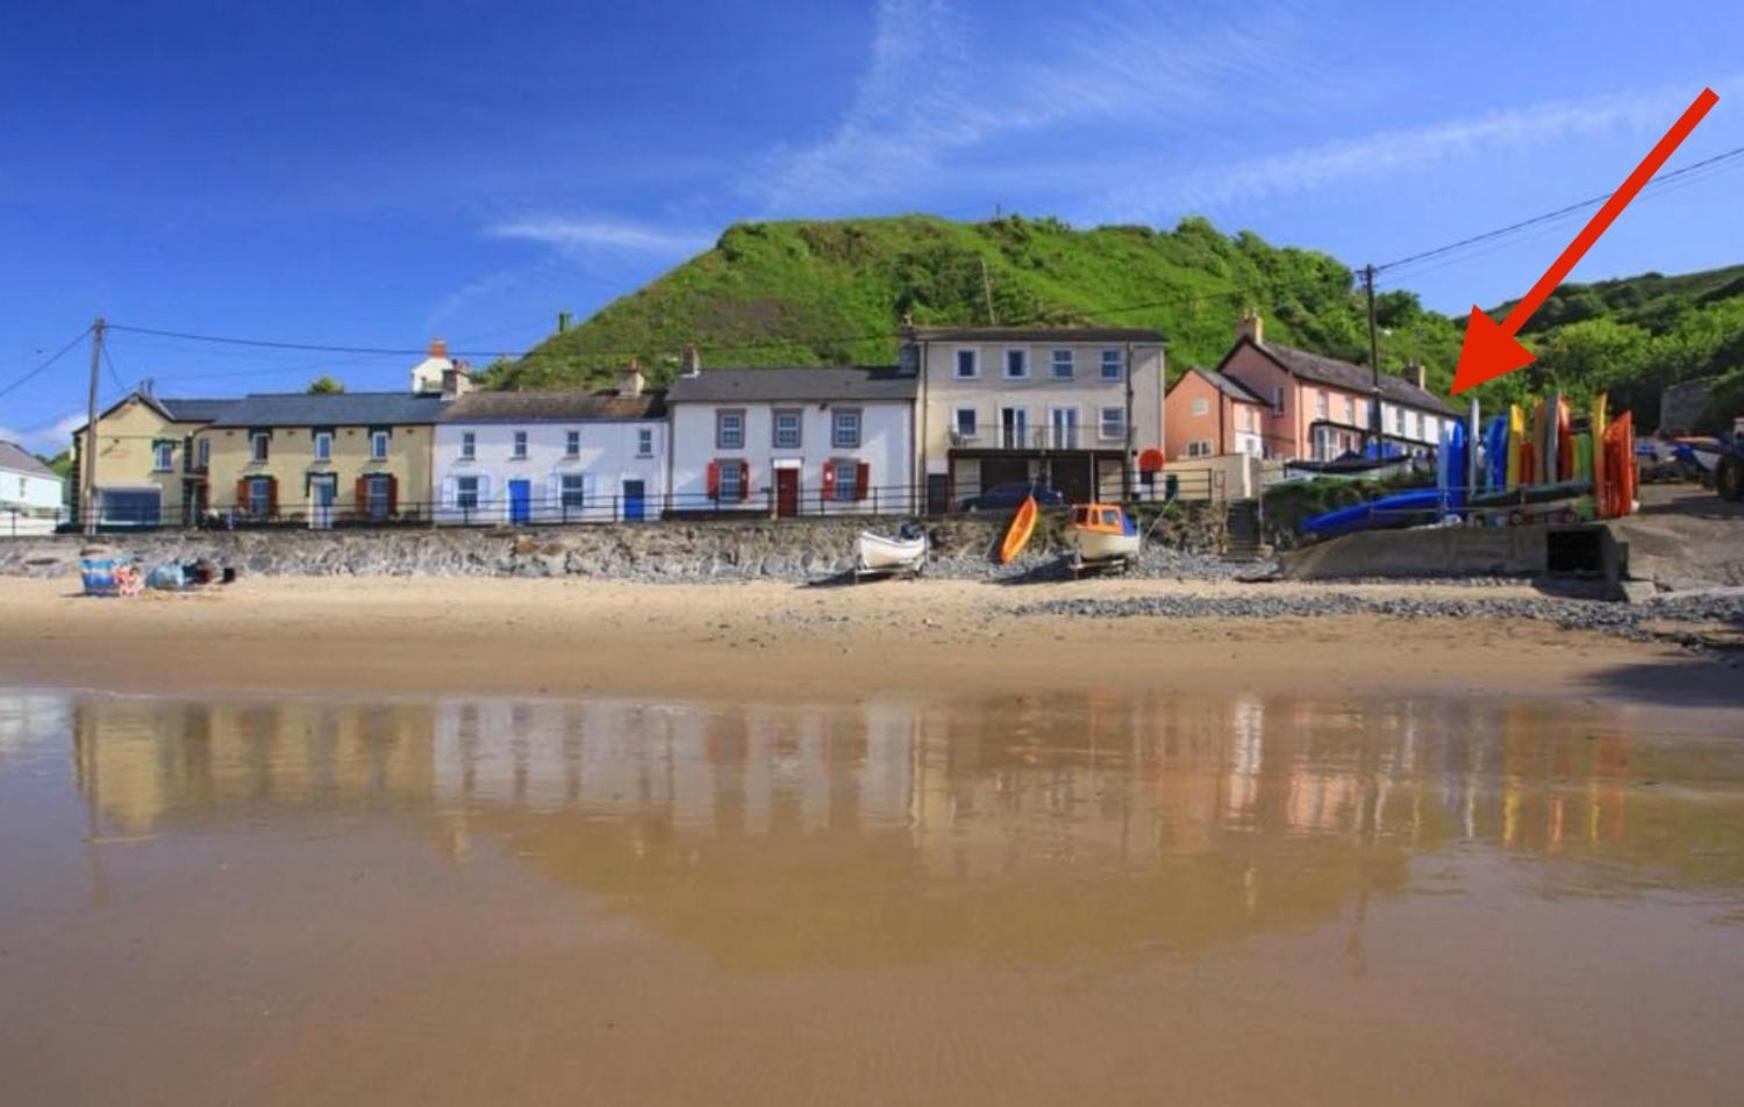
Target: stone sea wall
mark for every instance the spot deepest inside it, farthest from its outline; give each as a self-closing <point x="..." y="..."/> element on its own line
<point x="801" y="549"/>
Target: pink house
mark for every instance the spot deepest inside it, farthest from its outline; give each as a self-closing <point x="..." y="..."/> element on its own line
<point x="1206" y="414"/>
<point x="1317" y="408"/>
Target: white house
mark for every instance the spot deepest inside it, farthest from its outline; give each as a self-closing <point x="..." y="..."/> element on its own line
<point x="552" y="457"/>
<point x="790" y="441"/>
<point x="30" y="494"/>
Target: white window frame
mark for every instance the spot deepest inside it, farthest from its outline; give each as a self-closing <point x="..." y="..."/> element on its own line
<point x="644" y="441"/>
<point x="572" y="442"/>
<point x="1199" y="447"/>
<point x="974" y="363"/>
<point x="323" y="445"/>
<point x="1021" y="353"/>
<point x="468" y="446"/>
<point x="1277" y="399"/>
<point x="259" y="446"/>
<point x="1113" y="365"/>
<point x="380" y="443"/>
<point x="724" y="491"/>
<point x="1014" y="432"/>
<point x="1350" y="410"/>
<point x="733" y="439"/>
<point x="255" y="487"/>
<point x="1103" y="424"/>
<point x="1201" y="406"/>
<point x="163" y="458"/>
<point x="1058" y="440"/>
<point x="1062" y="360"/>
<point x="797" y="415"/>
<point x="203" y="454"/>
<point x="518" y="445"/>
<point x="465" y="487"/>
<point x="850" y="469"/>
<point x="572" y="485"/>
<point x="1322" y="404"/>
<point x="974" y="430"/>
<point x="838" y="441"/>
<point x="374" y="487"/>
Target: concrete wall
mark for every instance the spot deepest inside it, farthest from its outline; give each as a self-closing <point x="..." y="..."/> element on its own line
<point x="1226" y="477"/>
<point x="1423" y="552"/>
<point x="610" y="454"/>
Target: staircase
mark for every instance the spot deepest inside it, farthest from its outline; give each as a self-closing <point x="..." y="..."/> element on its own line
<point x="1241" y="532"/>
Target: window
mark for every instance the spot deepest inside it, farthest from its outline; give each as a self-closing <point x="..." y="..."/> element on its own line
<point x="845" y="429"/>
<point x="1016" y="364"/>
<point x="203" y="449"/>
<point x="1113" y="365"/>
<point x="258" y="442"/>
<point x="1201" y="406"/>
<point x="1200" y="448"/>
<point x="1062" y="364"/>
<point x="732" y="476"/>
<point x="163" y="456"/>
<point x="574" y="493"/>
<point x="1321" y="402"/>
<point x="644" y="441"/>
<point x="1013" y="428"/>
<point x="571" y="443"/>
<point x="787" y="429"/>
<point x="966" y="364"/>
<point x="380" y="489"/>
<point x="1350" y="410"/>
<point x="1063" y="423"/>
<point x="1397" y="421"/>
<point x="846" y="480"/>
<point x="260" y="497"/>
<point x="966" y="423"/>
<point x="519" y="450"/>
<point x="468" y="446"/>
<point x="1410" y="424"/>
<point x="466" y="492"/>
<point x="1113" y="422"/>
<point x="1277" y="399"/>
<point x="729" y="430"/>
<point x="323" y="445"/>
<point x="378" y="445"/>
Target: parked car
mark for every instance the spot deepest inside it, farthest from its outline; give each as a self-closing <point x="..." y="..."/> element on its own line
<point x="1006" y="496"/>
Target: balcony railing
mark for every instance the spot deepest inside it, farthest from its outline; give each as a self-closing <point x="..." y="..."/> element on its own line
<point x="988" y="437"/>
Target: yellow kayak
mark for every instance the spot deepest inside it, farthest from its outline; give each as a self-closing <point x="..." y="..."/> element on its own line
<point x="1516" y="439"/>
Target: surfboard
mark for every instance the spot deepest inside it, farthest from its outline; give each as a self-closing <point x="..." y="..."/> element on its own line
<point x="1516" y="440"/>
<point x="1598" y="433"/>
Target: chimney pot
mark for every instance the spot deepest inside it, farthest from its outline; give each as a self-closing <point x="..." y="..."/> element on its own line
<point x="438" y="347"/>
<point x="691" y="362"/>
<point x="1419" y="375"/>
<point x="1252" y="326"/>
<point x="630" y="379"/>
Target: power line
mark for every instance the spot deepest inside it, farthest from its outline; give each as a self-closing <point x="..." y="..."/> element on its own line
<point x="113" y="375"/>
<point x="1657" y="184"/>
<point x="40" y="369"/>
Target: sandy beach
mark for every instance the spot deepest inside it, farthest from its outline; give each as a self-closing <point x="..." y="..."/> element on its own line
<point x="566" y="637"/>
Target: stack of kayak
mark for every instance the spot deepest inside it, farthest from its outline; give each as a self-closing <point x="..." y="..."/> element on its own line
<point x="1410" y="508"/>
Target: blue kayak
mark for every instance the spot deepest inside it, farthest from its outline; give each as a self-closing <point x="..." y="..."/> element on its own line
<point x="1405" y="509"/>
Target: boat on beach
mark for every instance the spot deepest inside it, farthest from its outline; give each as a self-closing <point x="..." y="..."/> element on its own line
<point x="905" y="552"/>
<point x="1102" y="534"/>
<point x="1022" y="526"/>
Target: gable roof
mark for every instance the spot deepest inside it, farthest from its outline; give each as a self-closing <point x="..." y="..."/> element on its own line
<point x="553" y="406"/>
<point x="16" y="459"/>
<point x="1230" y="387"/>
<point x="297" y="409"/>
<point x="800" y="384"/>
<point x="1342" y="374"/>
<point x="1039" y="334"/>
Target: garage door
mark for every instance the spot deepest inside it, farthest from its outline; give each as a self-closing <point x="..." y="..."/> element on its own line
<point x="122" y="508"/>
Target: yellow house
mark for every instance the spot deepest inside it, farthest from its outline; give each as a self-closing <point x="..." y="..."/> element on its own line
<point x="151" y="468"/>
<point x="322" y="460"/>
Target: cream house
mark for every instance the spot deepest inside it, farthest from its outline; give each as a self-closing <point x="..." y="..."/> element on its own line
<point x="151" y="469"/>
<point x="1078" y="409"/>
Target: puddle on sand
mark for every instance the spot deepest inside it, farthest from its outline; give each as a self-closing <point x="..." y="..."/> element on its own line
<point x="1010" y="899"/>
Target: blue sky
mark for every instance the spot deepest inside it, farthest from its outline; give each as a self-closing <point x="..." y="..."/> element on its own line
<point x="375" y="174"/>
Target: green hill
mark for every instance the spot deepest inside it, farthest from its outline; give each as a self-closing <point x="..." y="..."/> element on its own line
<point x="817" y="292"/>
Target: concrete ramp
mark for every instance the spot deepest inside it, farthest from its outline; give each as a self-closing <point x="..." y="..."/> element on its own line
<point x="1423" y="552"/>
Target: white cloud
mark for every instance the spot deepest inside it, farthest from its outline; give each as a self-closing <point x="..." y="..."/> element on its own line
<point x="47" y="438"/>
<point x="570" y="234"/>
<point x="1383" y="153"/>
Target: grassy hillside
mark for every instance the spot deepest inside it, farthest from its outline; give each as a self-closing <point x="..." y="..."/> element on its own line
<point x="816" y="292"/>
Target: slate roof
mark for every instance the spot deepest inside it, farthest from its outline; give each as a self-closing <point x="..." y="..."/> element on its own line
<point x="798" y="384"/>
<point x="1356" y="378"/>
<point x="16" y="459"/>
<point x="553" y="407"/>
<point x="186" y="410"/>
<point x="1230" y="387"/>
<point x="296" y="409"/>
<point x="1039" y="334"/>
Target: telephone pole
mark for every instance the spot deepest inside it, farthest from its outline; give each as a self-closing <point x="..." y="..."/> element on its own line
<point x="1374" y="362"/>
<point x="88" y="456"/>
<point x="987" y="291"/>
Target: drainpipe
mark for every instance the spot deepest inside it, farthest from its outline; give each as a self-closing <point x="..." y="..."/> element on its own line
<point x="920" y="445"/>
<point x="1126" y="454"/>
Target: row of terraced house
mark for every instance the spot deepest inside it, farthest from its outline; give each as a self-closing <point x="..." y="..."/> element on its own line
<point x="1081" y="410"/>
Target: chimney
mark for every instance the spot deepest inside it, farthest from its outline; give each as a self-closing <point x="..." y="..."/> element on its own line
<point x="456" y="380"/>
<point x="562" y="322"/>
<point x="1417" y="375"/>
<point x="691" y="363"/>
<point x="1252" y="326"/>
<point x="439" y="347"/>
<point x="630" y="379"/>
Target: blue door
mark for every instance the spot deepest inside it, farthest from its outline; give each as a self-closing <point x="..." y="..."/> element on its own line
<point x="635" y="495"/>
<point x="520" y="501"/>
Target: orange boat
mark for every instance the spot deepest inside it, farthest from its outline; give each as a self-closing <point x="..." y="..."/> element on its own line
<point x="1022" y="526"/>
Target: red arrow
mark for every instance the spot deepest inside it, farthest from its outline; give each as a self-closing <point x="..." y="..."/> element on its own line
<point x="1490" y="349"/>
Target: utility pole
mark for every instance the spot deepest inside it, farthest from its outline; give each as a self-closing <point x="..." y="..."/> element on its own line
<point x="88" y="457"/>
<point x="987" y="291"/>
<point x="1375" y="431"/>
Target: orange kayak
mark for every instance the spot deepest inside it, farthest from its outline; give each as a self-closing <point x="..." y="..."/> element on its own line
<point x="1022" y="526"/>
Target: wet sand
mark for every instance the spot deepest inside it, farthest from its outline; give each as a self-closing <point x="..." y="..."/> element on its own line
<point x="1001" y="898"/>
<point x="397" y="636"/>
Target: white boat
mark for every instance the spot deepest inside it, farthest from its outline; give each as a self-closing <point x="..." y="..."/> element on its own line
<point x="881" y="553"/>
<point x="1103" y="532"/>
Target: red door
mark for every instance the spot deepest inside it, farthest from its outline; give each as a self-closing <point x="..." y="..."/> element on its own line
<point x="787" y="492"/>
